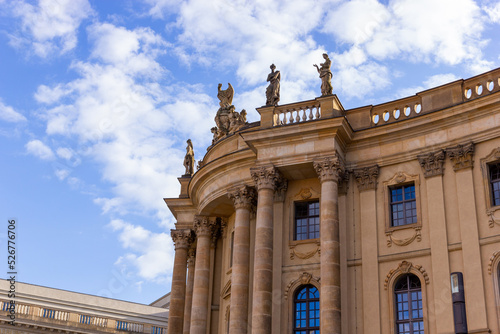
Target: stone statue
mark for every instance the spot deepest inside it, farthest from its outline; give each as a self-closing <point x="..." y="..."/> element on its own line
<point x="189" y="159"/>
<point x="227" y="119"/>
<point x="273" y="90"/>
<point x="326" y="75"/>
<point x="225" y="96"/>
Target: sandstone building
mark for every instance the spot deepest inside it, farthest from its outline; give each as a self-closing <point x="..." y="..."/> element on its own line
<point x="322" y="219"/>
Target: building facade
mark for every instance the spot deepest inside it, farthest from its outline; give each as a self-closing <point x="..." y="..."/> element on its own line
<point x="322" y="219"/>
<point x="26" y="308"/>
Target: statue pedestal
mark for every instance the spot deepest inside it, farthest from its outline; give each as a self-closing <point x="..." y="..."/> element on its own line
<point x="184" y="181"/>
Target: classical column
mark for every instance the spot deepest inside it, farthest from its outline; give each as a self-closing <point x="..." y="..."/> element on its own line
<point x="366" y="178"/>
<point x="205" y="228"/>
<point x="267" y="179"/>
<point x="329" y="170"/>
<point x="244" y="198"/>
<point x="189" y="290"/>
<point x="433" y="167"/>
<point x="182" y="240"/>
<point x="462" y="160"/>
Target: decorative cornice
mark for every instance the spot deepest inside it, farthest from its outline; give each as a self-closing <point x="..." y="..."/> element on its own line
<point x="432" y="163"/>
<point x="182" y="238"/>
<point x="461" y="156"/>
<point x="243" y="197"/>
<point x="266" y="177"/>
<point x="366" y="177"/>
<point x="205" y="226"/>
<point x="329" y="168"/>
<point x="406" y="267"/>
<point x="304" y="278"/>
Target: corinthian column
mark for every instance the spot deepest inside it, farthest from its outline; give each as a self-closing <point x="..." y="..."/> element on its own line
<point x="189" y="290"/>
<point x="267" y="179"/>
<point x="205" y="228"/>
<point x="243" y="198"/>
<point x="182" y="240"/>
<point x="329" y="171"/>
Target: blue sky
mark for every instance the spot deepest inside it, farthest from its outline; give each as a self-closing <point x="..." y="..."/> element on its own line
<point x="97" y="100"/>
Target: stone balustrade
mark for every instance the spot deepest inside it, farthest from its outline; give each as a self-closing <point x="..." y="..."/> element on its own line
<point x="396" y="110"/>
<point x="297" y="113"/>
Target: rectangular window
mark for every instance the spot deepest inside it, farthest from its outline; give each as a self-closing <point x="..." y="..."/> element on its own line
<point x="306" y="220"/>
<point x="495" y="183"/>
<point x="403" y="205"/>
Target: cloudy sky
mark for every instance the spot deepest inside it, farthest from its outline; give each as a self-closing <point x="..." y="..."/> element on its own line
<point x="97" y="100"/>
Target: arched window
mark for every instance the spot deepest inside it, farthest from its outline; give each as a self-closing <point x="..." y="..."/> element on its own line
<point x="306" y="310"/>
<point x="408" y="301"/>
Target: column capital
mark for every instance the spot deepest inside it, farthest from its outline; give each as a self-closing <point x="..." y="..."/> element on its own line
<point x="266" y="177"/>
<point x="329" y="168"/>
<point x="182" y="238"/>
<point x="432" y="163"/>
<point x="205" y="226"/>
<point x="243" y="197"/>
<point x="461" y="156"/>
<point x="366" y="177"/>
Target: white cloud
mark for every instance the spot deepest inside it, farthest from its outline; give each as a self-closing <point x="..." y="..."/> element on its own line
<point x="49" y="26"/>
<point x="8" y="114"/>
<point x="493" y="12"/>
<point x="39" y="149"/>
<point x="149" y="252"/>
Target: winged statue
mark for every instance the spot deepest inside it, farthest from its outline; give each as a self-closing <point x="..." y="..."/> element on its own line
<point x="225" y="96"/>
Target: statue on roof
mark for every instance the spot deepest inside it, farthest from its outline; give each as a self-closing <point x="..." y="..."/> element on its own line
<point x="189" y="159"/>
<point x="326" y="75"/>
<point x="227" y="119"/>
<point x="273" y="90"/>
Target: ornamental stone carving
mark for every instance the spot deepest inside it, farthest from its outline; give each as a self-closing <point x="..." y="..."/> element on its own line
<point x="243" y="197"/>
<point x="267" y="177"/>
<point x="417" y="235"/>
<point x="366" y="177"/>
<point x="329" y="168"/>
<point x="182" y="238"/>
<point x="325" y="75"/>
<point x="227" y="119"/>
<point x="304" y="278"/>
<point x="432" y="163"/>
<point x="205" y="226"/>
<point x="406" y="267"/>
<point x="461" y="156"/>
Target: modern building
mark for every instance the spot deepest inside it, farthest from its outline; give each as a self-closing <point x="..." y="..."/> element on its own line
<point x="379" y="219"/>
<point x="26" y="308"/>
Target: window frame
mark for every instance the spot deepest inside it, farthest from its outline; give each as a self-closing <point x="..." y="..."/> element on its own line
<point x="308" y="300"/>
<point x="403" y="201"/>
<point x="401" y="179"/>
<point x="491" y="159"/>
<point x="295" y="218"/>
<point x="408" y="291"/>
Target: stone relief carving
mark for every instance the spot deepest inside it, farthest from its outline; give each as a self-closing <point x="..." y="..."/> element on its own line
<point x="432" y="163"/>
<point x="243" y="196"/>
<point x="189" y="159"/>
<point x="493" y="257"/>
<point x="273" y="90"/>
<point x="406" y="241"/>
<point x="461" y="156"/>
<point x="329" y="168"/>
<point x="227" y="119"/>
<point x="305" y="255"/>
<point x="492" y="219"/>
<point x="405" y="267"/>
<point x="366" y="177"/>
<point x="326" y="75"/>
<point x="182" y="238"/>
<point x="304" y="278"/>
<point x="267" y="177"/>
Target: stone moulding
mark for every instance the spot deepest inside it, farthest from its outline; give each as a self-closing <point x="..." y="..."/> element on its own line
<point x="406" y="241"/>
<point x="303" y="279"/>
<point x="307" y="255"/>
<point x="406" y="267"/>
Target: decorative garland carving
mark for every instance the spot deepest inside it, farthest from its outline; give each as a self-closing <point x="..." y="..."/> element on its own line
<point x="366" y="177"/>
<point x="404" y="242"/>
<point x="405" y="267"/>
<point x="493" y="220"/>
<point x="493" y="257"/>
<point x="304" y="278"/>
<point x="307" y="255"/>
<point x="432" y="163"/>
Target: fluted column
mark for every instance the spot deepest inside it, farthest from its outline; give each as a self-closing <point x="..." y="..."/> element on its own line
<point x="266" y="179"/>
<point x="329" y="171"/>
<point x="366" y="179"/>
<point x="182" y="240"/>
<point x="244" y="198"/>
<point x="189" y="290"/>
<point x="205" y="228"/>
